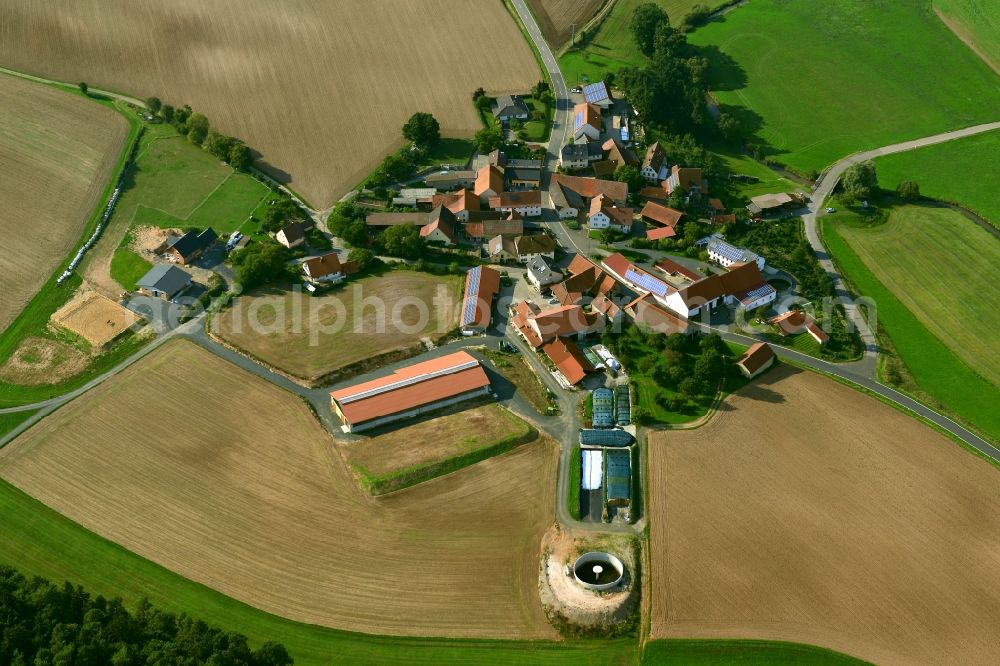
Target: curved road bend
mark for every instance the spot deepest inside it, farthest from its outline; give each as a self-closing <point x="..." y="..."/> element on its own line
<point x="824" y="187"/>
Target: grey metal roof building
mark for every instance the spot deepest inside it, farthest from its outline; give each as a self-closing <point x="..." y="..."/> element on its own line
<point x="591" y="437"/>
<point x="164" y="281"/>
<point x="604" y="408"/>
<point x="618" y="467"/>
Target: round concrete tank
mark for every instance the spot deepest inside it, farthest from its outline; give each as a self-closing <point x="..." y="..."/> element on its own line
<point x="598" y="571"/>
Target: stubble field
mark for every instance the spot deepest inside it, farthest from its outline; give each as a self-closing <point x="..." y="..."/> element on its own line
<point x="312" y="336"/>
<point x="229" y="481"/>
<point x="57" y="152"/>
<point x="807" y="511"/>
<point x="320" y="89"/>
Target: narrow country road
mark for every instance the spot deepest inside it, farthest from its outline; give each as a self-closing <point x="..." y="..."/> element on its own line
<point x="824" y="187"/>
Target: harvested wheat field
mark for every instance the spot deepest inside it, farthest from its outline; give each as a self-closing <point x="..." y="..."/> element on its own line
<point x="806" y="511"/>
<point x="57" y="152"/>
<point x="557" y="17"/>
<point x="95" y="318"/>
<point x="320" y="89"/>
<point x="231" y="482"/>
<point x="312" y="336"/>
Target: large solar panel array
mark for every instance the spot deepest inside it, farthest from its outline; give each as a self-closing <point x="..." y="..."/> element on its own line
<point x="623" y="405"/>
<point x="646" y="281"/>
<point x="471" y="295"/>
<point x="595" y="92"/>
<point x="604" y="408"/>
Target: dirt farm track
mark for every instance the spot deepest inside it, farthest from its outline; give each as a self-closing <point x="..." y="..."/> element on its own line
<point x="230" y="481"/>
<point x="807" y="511"/>
<point x="320" y="89"/>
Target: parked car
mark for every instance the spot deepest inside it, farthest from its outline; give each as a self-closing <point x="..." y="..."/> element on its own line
<point x="831" y="210"/>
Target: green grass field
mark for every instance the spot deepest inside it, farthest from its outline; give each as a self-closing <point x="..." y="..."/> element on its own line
<point x="937" y="371"/>
<point x="965" y="172"/>
<point x="933" y="260"/>
<point x="176" y="185"/>
<point x="724" y="652"/>
<point x="769" y="181"/>
<point x="611" y="48"/>
<point x="977" y="21"/>
<point x="10" y="421"/>
<point x="832" y="78"/>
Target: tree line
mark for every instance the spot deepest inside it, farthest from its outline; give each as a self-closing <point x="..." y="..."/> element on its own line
<point x="196" y="128"/>
<point x="44" y="624"/>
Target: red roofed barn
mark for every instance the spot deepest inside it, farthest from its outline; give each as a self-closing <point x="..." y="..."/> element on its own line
<point x="410" y="391"/>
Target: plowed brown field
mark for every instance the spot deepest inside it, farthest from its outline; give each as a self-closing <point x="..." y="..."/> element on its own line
<point x="556" y="17"/>
<point x="57" y="152"/>
<point x="806" y="511"/>
<point x="229" y="481"/>
<point x="321" y="89"/>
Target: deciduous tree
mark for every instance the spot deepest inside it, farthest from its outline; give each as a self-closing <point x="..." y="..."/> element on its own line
<point x="860" y="180"/>
<point x="240" y="157"/>
<point x="646" y="18"/>
<point x="197" y="128"/>
<point x="402" y="241"/>
<point x="422" y="129"/>
<point x="487" y="139"/>
<point x="908" y="189"/>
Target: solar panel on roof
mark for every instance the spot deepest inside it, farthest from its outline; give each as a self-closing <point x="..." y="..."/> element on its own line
<point x="732" y="252"/>
<point x="646" y="281"/>
<point x="595" y="92"/>
<point x="591" y="437"/>
<point x="758" y="292"/>
<point x="471" y="295"/>
<point x="578" y="121"/>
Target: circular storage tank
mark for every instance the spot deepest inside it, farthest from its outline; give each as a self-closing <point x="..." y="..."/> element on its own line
<point x="598" y="571"/>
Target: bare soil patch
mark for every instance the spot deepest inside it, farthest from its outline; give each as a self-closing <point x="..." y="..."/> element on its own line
<point x="38" y="361"/>
<point x="227" y="480"/>
<point x="94" y="317"/>
<point x="57" y="152"/>
<point x="320" y="89"/>
<point x="807" y="511"/>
